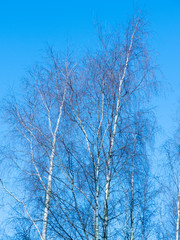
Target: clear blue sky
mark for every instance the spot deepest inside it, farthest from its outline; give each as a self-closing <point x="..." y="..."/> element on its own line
<point x="27" y="26"/>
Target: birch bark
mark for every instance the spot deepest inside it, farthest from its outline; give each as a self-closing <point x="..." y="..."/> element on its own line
<point x="50" y="173"/>
<point x="132" y="200"/>
<point x="132" y="190"/>
<point x="178" y="214"/>
<point x="108" y="176"/>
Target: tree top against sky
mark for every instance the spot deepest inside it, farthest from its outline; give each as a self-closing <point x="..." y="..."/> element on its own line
<point x="28" y="27"/>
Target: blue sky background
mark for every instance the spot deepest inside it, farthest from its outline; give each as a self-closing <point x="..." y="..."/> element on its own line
<point x="27" y="27"/>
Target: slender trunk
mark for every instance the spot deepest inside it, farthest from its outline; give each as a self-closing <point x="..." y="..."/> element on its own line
<point x="97" y="168"/>
<point x="178" y="214"/>
<point x="132" y="191"/>
<point x="48" y="195"/>
<point x="97" y="204"/>
<point x="48" y="192"/>
<point x="132" y="223"/>
<point x="125" y="224"/>
<point x="106" y="201"/>
<point x="112" y="138"/>
<point x="143" y="229"/>
<point x="132" y="204"/>
<point x="143" y="218"/>
<point x="108" y="175"/>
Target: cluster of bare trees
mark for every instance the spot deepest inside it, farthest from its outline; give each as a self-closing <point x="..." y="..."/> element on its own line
<point x="81" y="133"/>
<point x="170" y="210"/>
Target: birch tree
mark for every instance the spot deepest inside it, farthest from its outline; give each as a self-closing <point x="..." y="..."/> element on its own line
<point x="36" y="122"/>
<point x="171" y="188"/>
<point x="113" y="79"/>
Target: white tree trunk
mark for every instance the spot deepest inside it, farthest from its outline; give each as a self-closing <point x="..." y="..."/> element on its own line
<point x="97" y="169"/>
<point x="125" y="224"/>
<point x="178" y="214"/>
<point x="106" y="202"/>
<point x="97" y="205"/>
<point x="48" y="196"/>
<point x="132" y="203"/>
<point x="132" y="190"/>
<point x="108" y="176"/>
<point x="50" y="173"/>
